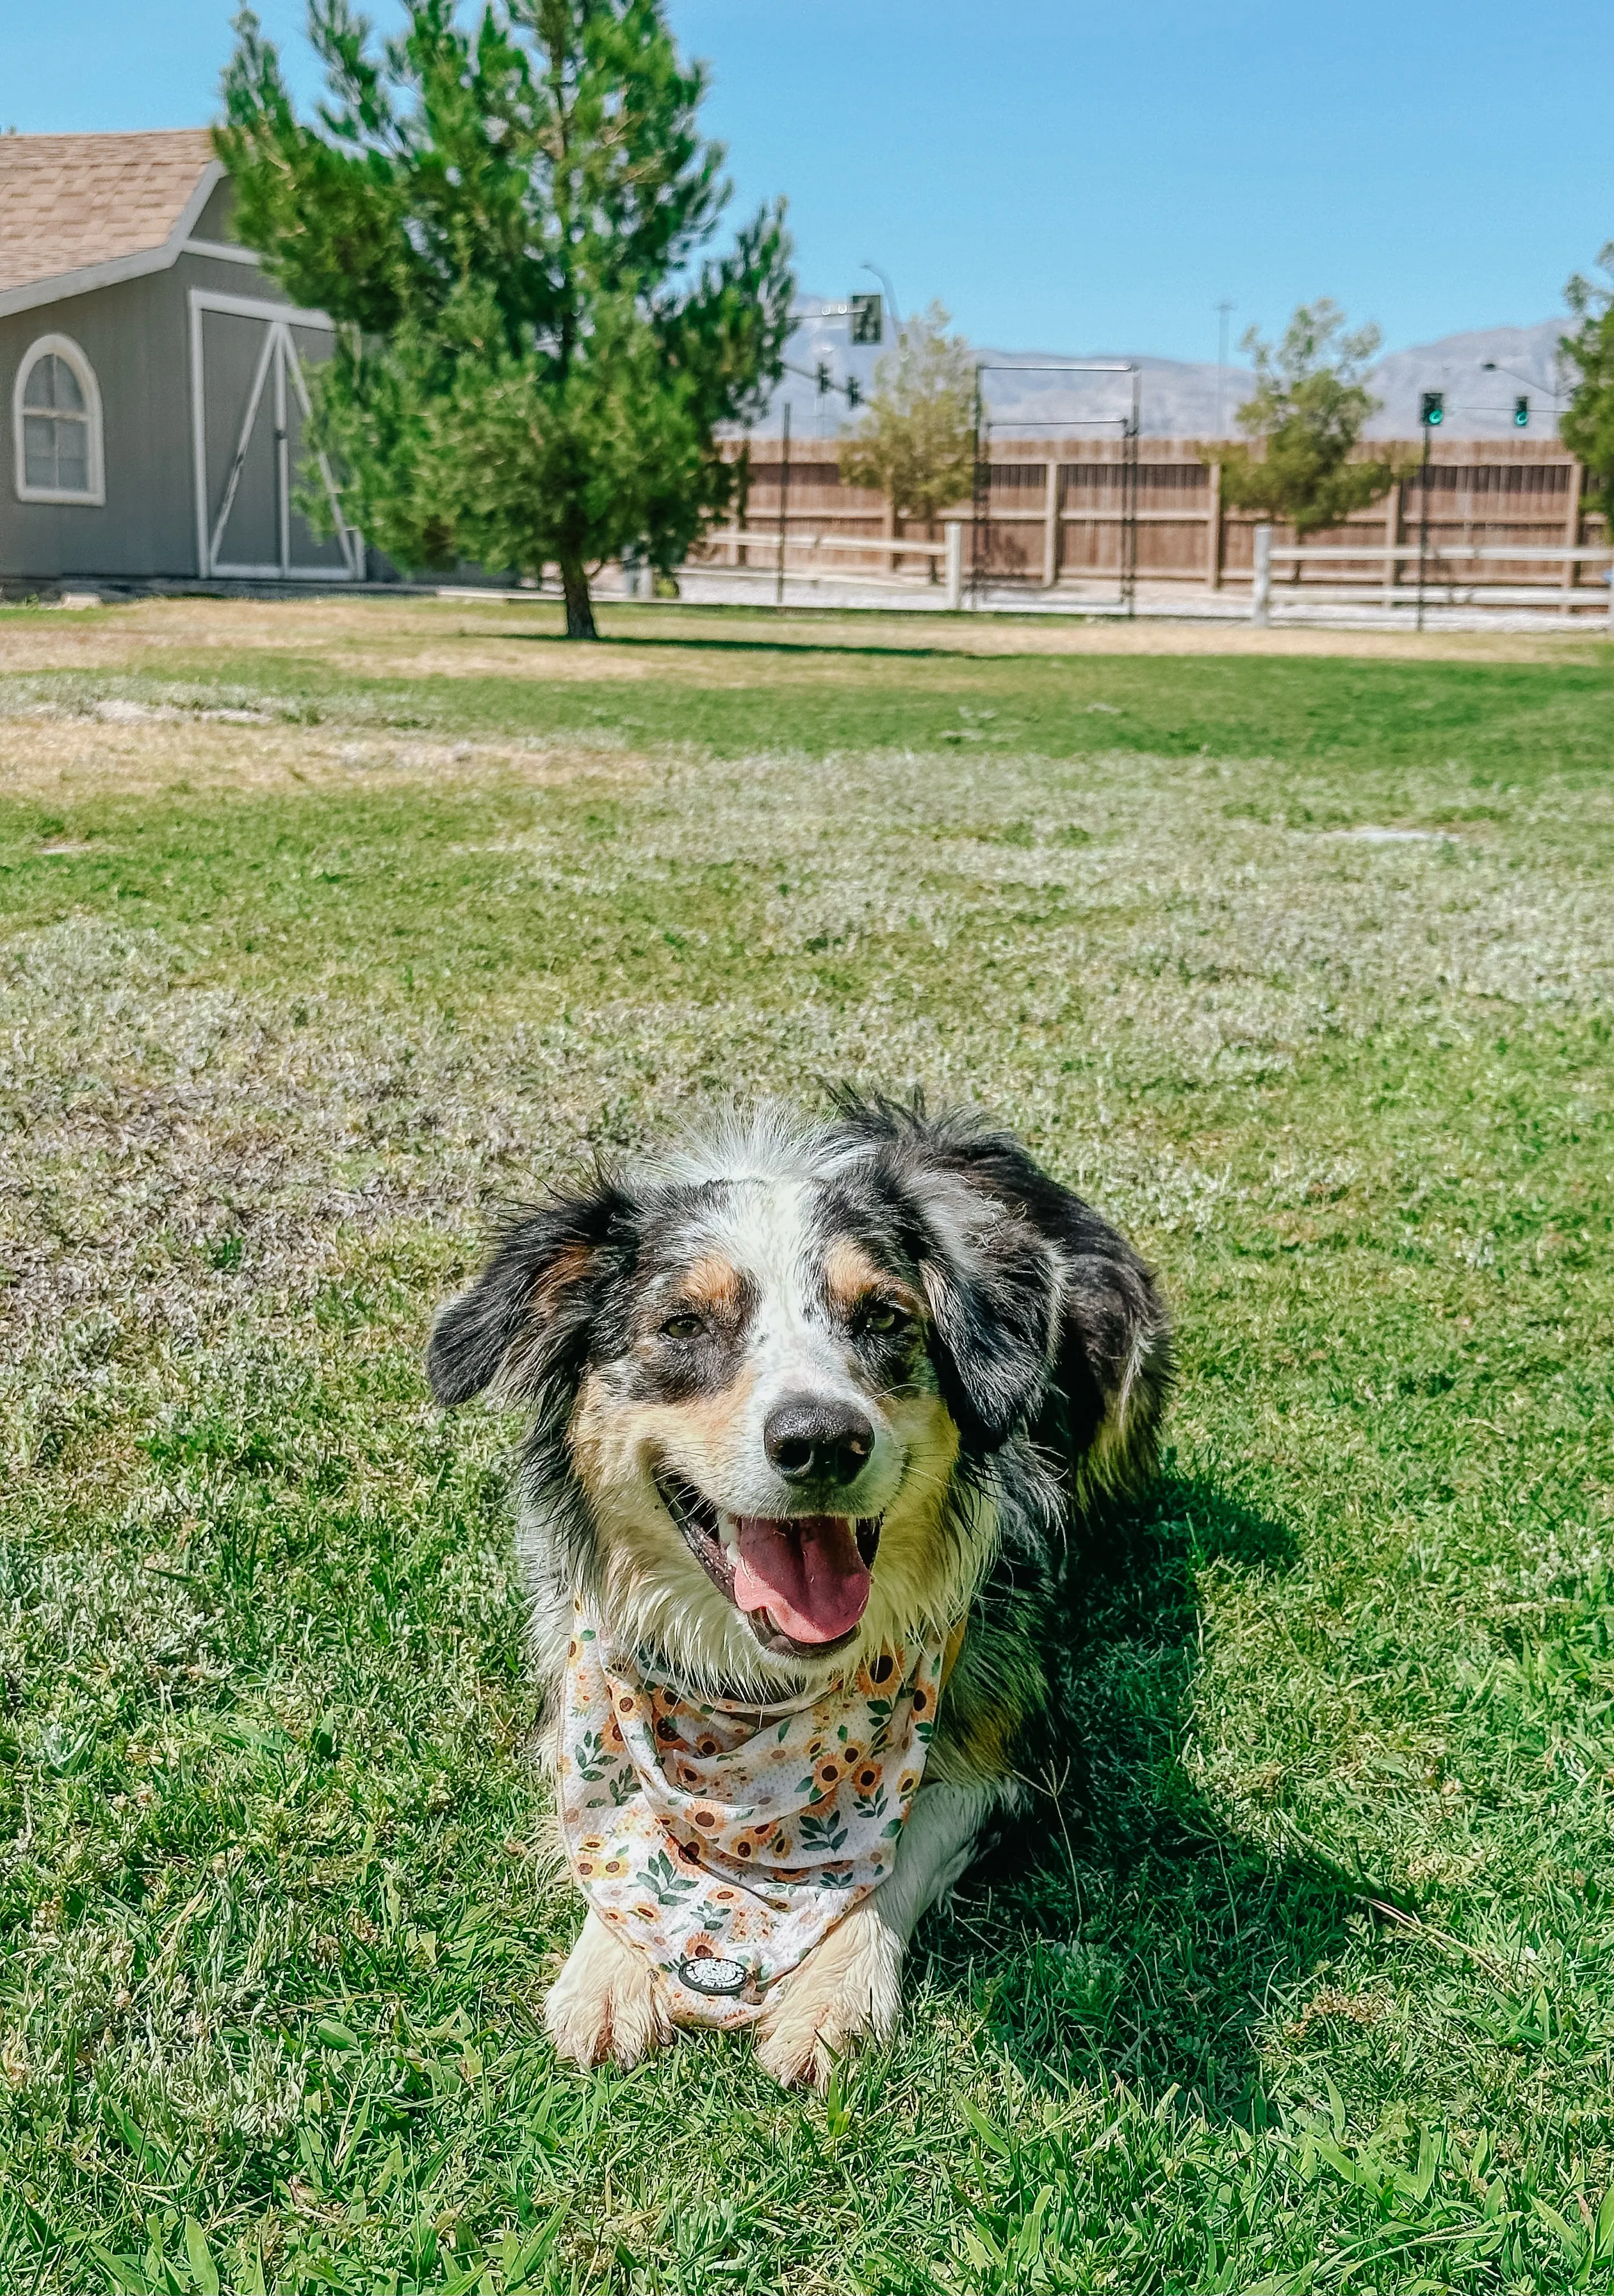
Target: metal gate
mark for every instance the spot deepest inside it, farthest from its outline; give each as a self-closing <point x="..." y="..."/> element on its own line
<point x="249" y="407"/>
<point x="1125" y="421"/>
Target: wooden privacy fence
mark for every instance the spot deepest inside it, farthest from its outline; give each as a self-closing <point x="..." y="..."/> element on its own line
<point x="1504" y="522"/>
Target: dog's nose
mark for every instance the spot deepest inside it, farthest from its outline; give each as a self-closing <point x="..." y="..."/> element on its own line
<point x="812" y="1442"/>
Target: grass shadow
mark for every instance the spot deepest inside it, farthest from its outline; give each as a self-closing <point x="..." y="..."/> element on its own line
<point x="1119" y="1929"/>
<point x="719" y="644"/>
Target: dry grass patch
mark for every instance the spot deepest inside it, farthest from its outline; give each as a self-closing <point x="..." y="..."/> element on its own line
<point x="54" y="755"/>
<point x="450" y="637"/>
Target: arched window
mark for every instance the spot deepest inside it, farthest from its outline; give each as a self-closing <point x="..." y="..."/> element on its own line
<point x="56" y="425"/>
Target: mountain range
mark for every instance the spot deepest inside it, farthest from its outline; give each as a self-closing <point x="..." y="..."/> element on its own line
<point x="1188" y="398"/>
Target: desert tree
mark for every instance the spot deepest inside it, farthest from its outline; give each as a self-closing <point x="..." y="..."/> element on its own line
<point x="916" y="440"/>
<point x="511" y="220"/>
<point x="1304" y="420"/>
<point x="1588" y="427"/>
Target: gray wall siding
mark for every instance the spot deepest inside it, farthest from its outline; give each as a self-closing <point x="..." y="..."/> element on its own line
<point x="129" y="336"/>
<point x="214" y="221"/>
<point x="137" y="336"/>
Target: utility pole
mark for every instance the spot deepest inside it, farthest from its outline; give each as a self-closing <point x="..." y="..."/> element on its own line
<point x="784" y="505"/>
<point x="1224" y="308"/>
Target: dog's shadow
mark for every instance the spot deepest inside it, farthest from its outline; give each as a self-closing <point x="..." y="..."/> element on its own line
<point x="1119" y="1928"/>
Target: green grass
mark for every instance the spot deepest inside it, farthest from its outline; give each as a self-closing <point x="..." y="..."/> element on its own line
<point x="1302" y="1975"/>
<point x="738" y="693"/>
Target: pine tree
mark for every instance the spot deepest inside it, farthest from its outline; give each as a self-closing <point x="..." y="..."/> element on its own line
<point x="916" y="443"/>
<point x="1588" y="427"/>
<point x="509" y="222"/>
<point x="1304" y="419"/>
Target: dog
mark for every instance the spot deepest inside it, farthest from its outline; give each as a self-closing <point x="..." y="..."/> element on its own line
<point x="813" y="1405"/>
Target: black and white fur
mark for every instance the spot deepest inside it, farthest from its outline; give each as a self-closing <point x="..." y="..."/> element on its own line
<point x="1001" y="1351"/>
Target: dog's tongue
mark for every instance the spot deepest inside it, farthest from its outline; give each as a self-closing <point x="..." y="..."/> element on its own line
<point x="807" y="1574"/>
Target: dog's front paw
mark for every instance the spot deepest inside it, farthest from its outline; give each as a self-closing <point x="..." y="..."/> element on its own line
<point x="606" y="2002"/>
<point x="848" y="1989"/>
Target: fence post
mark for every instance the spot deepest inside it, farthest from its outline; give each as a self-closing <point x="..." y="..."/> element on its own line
<point x="953" y="531"/>
<point x="1260" y="595"/>
<point x="1050" y="510"/>
<point x="1571" y="529"/>
<point x="1611" y="597"/>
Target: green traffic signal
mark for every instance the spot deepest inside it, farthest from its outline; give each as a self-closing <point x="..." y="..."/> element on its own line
<point x="1431" y="413"/>
<point x="1521" y="412"/>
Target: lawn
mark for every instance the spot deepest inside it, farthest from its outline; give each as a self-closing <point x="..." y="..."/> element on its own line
<point x="327" y="929"/>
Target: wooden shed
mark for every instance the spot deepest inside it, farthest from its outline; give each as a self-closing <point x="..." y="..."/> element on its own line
<point x="154" y="378"/>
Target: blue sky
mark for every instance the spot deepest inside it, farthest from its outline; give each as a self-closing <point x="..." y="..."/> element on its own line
<point x="1066" y="175"/>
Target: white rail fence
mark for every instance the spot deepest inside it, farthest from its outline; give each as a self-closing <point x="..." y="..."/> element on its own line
<point x="776" y="547"/>
<point x="1435" y="581"/>
<point x="1411" y="577"/>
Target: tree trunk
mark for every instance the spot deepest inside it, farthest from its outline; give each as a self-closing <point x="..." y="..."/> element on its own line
<point x="579" y="612"/>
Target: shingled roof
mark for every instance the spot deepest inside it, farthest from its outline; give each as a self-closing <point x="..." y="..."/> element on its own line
<point x="98" y="204"/>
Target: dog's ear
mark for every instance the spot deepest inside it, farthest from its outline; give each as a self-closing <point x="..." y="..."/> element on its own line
<point x="992" y="1284"/>
<point x="525" y="1320"/>
<point x="990" y="1280"/>
<point x="1114" y="1368"/>
<point x="1046" y="1313"/>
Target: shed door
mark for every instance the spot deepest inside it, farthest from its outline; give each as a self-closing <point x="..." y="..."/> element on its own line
<point x="250" y="404"/>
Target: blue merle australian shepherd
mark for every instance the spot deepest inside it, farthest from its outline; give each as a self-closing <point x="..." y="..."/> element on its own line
<point x="811" y="1407"/>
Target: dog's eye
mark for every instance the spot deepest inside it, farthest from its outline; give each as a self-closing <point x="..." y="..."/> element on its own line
<point x="685" y="1326"/>
<point x="880" y="1316"/>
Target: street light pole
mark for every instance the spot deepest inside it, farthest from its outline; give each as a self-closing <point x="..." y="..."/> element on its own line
<point x="884" y="278"/>
<point x="1223" y="308"/>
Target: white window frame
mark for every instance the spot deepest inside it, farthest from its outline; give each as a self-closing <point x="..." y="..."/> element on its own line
<point x="63" y="347"/>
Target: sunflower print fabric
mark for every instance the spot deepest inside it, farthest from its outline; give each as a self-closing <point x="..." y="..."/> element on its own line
<point x="726" y="1840"/>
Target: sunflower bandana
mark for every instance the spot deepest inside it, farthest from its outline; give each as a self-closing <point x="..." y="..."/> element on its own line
<point x="726" y="1840"/>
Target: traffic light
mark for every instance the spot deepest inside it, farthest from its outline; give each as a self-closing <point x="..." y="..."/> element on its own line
<point x="825" y="385"/>
<point x="867" y="318"/>
<point x="853" y="391"/>
<point x="1522" y="412"/>
<point x="1431" y="413"/>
